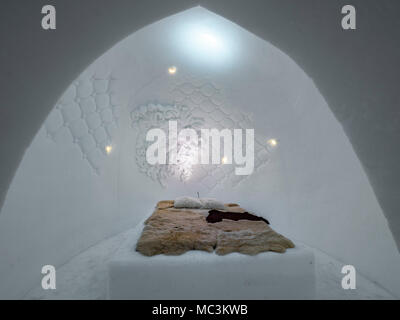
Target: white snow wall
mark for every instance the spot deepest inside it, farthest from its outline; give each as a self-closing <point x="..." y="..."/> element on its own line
<point x="68" y="193"/>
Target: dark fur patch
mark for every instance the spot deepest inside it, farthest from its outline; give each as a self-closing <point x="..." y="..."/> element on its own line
<point x="217" y="216"/>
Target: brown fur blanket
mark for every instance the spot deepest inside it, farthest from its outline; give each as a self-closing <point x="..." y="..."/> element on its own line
<point x="175" y="231"/>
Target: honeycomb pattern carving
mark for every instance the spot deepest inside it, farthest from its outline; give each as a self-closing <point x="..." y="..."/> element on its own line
<point x="89" y="113"/>
<point x="197" y="103"/>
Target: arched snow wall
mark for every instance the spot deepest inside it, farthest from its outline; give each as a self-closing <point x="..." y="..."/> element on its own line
<point x="69" y="193"/>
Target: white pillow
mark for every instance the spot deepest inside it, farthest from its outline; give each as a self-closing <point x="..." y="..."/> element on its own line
<point x="195" y="203"/>
<point x="210" y="203"/>
<point x="187" y="202"/>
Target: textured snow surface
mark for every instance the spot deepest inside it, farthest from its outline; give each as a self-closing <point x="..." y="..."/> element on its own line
<point x="85" y="276"/>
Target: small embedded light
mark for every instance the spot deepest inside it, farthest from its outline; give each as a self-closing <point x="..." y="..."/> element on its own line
<point x="172" y="70"/>
<point x="272" y="142"/>
<point x="108" y="149"/>
<point x="224" y="160"/>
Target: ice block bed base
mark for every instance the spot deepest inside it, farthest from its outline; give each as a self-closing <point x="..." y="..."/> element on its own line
<point x="203" y="275"/>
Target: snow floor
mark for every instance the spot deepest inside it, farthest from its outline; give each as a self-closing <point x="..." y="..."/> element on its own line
<point x="85" y="277"/>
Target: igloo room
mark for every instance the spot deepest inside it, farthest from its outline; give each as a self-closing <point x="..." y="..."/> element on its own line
<point x="191" y="150"/>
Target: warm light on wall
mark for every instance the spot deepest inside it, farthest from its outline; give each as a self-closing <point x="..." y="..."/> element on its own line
<point x="172" y="70"/>
<point x="224" y="160"/>
<point x="272" y="142"/>
<point x="108" y="149"/>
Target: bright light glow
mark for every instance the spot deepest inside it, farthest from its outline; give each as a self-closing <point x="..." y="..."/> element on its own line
<point x="108" y="149"/>
<point x="172" y="70"/>
<point x="209" y="41"/>
<point x="224" y="160"/>
<point x="186" y="158"/>
<point x="272" y="142"/>
<point x="205" y="44"/>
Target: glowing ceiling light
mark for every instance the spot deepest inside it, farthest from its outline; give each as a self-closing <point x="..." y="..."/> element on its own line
<point x="172" y="70"/>
<point x="272" y="142"/>
<point x="207" y="44"/>
<point x="108" y="149"/>
<point x="209" y="41"/>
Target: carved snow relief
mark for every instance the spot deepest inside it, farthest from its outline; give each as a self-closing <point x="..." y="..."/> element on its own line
<point x="197" y="103"/>
<point x="88" y="113"/>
